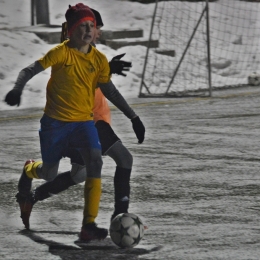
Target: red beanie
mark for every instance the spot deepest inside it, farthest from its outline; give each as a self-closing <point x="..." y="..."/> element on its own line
<point x="77" y="14"/>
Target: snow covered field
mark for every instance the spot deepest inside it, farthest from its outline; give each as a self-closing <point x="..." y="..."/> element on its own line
<point x="195" y="181"/>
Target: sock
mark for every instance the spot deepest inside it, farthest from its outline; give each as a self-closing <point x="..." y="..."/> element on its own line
<point x="62" y="182"/>
<point x="30" y="170"/>
<point x="122" y="190"/>
<point x="92" y="194"/>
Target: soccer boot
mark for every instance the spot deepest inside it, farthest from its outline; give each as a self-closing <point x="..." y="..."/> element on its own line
<point x="24" y="196"/>
<point x="121" y="206"/>
<point x="26" y="205"/>
<point x="25" y="183"/>
<point x="119" y="210"/>
<point x="91" y="232"/>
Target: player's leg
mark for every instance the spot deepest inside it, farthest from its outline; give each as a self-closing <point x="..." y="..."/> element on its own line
<point x="60" y="183"/>
<point x="24" y="196"/>
<point x="124" y="161"/>
<point x="87" y="141"/>
<point x="113" y="147"/>
<point x="63" y="181"/>
<point x="52" y="138"/>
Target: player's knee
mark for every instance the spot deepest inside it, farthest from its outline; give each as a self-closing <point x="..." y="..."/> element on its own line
<point x="94" y="167"/>
<point x="129" y="160"/>
<point x="48" y="171"/>
<point x="78" y="173"/>
<point x="125" y="161"/>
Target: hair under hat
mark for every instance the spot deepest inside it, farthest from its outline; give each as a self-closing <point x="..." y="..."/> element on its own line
<point x="77" y="14"/>
<point x="99" y="21"/>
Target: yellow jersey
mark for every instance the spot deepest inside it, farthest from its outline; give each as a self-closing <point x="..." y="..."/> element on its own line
<point x="74" y="77"/>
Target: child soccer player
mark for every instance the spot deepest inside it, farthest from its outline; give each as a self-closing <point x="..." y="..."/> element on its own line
<point x="110" y="143"/>
<point x="68" y="123"/>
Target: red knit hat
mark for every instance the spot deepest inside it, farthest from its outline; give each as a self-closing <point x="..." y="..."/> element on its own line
<point x="77" y="14"/>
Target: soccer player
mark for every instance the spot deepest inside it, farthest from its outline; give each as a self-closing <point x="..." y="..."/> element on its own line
<point x="110" y="143"/>
<point x="67" y="123"/>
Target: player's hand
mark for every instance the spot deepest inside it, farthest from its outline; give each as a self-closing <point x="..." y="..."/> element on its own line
<point x="13" y="97"/>
<point x="138" y="128"/>
<point x="117" y="66"/>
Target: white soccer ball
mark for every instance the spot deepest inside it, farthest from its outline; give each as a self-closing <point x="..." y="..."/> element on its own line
<point x="254" y="79"/>
<point x="126" y="230"/>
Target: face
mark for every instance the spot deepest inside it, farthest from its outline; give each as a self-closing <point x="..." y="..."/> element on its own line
<point x="97" y="34"/>
<point x="84" y="33"/>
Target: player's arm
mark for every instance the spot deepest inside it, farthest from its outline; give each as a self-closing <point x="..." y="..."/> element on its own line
<point x="13" y="97"/>
<point x="113" y="95"/>
<point x="53" y="56"/>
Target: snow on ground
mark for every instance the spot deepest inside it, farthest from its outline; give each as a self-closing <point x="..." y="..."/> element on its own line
<point x="19" y="49"/>
<point x="201" y="184"/>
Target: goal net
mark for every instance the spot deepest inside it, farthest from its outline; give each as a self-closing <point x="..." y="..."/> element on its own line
<point x="201" y="48"/>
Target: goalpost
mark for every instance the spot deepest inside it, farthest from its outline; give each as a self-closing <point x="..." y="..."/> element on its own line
<point x="203" y="45"/>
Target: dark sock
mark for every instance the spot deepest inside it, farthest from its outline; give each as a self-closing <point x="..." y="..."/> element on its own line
<point x="62" y="182"/>
<point x="122" y="190"/>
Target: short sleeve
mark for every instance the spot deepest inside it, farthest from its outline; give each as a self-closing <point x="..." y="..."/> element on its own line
<point x="53" y="56"/>
<point x="104" y="76"/>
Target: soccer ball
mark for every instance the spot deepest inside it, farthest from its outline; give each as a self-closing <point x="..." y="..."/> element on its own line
<point x="254" y="79"/>
<point x="126" y="230"/>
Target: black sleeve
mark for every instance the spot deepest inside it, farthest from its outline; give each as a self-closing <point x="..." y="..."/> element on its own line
<point x="113" y="95"/>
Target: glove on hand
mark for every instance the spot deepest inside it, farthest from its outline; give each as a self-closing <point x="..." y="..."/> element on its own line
<point x="138" y="128"/>
<point x="117" y="66"/>
<point x="13" y="97"/>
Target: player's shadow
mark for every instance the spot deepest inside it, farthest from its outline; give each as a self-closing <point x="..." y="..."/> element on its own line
<point x="97" y="252"/>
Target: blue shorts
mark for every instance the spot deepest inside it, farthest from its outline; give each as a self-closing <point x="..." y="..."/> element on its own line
<point x="107" y="138"/>
<point x="56" y="137"/>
